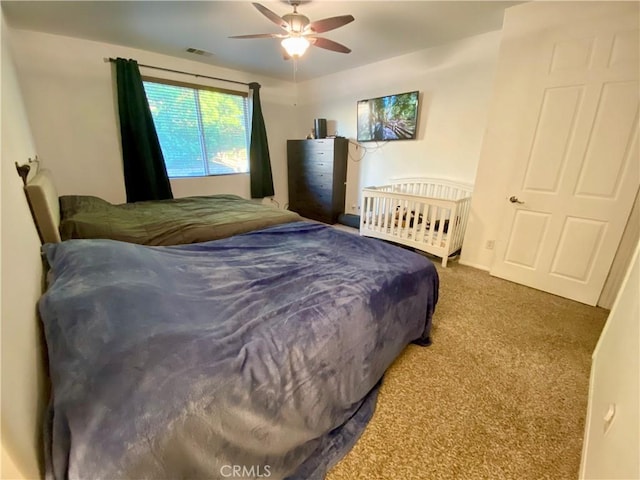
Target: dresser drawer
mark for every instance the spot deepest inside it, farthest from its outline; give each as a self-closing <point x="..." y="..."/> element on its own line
<point x="314" y="147"/>
<point x="320" y="192"/>
<point x="308" y="168"/>
<point x="318" y="163"/>
<point x="311" y="177"/>
<point x="313" y="210"/>
<point x="322" y="144"/>
<point x="304" y="148"/>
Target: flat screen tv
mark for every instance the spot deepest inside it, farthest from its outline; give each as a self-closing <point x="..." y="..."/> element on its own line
<point x="393" y="117"/>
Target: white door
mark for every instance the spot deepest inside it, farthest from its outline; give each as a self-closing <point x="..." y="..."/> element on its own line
<point x="576" y="168"/>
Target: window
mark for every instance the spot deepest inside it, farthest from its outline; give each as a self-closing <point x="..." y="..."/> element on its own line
<point x="202" y="131"/>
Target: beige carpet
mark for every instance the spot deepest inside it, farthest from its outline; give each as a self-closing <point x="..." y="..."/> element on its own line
<point x="501" y="393"/>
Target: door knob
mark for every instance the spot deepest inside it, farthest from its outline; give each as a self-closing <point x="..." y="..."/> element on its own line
<point x="514" y="199"/>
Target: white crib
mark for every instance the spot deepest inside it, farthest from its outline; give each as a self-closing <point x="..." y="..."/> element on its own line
<point x="428" y="214"/>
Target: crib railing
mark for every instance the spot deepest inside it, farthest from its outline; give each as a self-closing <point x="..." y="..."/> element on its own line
<point x="430" y="187"/>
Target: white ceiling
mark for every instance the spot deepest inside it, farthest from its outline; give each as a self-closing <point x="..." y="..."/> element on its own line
<point x="381" y="30"/>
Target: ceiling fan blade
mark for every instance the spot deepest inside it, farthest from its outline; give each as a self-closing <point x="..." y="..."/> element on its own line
<point x="260" y="35"/>
<point x="329" y="45"/>
<point x="275" y="18"/>
<point x="327" y="24"/>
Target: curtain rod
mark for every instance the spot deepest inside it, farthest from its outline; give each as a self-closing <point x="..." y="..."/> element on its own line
<point x="185" y="73"/>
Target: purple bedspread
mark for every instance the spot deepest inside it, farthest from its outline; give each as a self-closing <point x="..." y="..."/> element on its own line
<point x="258" y="354"/>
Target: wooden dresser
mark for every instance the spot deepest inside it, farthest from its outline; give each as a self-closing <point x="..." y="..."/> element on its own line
<point x="317" y="177"/>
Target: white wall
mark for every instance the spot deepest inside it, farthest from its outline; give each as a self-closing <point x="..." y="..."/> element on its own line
<point x="22" y="379"/>
<point x="69" y="95"/>
<point x="455" y="83"/>
<point x="9" y="469"/>
<point x="612" y="447"/>
<point x="630" y="239"/>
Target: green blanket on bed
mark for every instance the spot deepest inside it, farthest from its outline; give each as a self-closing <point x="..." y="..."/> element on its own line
<point x="166" y="222"/>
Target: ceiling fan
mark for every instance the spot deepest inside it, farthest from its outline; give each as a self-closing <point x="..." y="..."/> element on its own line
<point x="301" y="32"/>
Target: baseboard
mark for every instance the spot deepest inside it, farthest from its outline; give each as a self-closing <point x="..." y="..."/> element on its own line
<point x="474" y="265"/>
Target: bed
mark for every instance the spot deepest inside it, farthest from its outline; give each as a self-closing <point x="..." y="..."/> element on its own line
<point x="163" y="222"/>
<point x="427" y="214"/>
<point x="258" y="355"/>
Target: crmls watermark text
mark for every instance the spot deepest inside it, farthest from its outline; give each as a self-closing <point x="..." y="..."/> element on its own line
<point x="242" y="471"/>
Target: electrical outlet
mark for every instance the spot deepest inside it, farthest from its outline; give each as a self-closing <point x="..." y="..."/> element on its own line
<point x="354" y="207"/>
<point x="490" y="244"/>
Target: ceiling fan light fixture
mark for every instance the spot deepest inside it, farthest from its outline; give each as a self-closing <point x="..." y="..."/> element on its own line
<point x="295" y="46"/>
<point x="300" y="31"/>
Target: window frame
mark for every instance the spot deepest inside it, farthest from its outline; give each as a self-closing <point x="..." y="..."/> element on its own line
<point x="197" y="87"/>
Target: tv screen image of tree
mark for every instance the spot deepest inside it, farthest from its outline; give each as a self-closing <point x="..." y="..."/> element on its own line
<point x="393" y="117"/>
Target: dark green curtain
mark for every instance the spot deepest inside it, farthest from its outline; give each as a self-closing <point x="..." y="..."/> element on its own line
<point x="259" y="161"/>
<point x="145" y="174"/>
